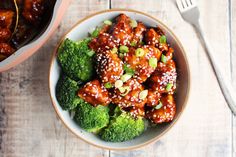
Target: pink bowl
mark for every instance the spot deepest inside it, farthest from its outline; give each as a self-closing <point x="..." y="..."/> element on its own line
<point x="29" y="49"/>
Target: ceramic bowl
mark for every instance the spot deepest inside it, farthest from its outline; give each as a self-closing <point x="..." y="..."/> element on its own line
<point x="26" y="51"/>
<point x="80" y="31"/>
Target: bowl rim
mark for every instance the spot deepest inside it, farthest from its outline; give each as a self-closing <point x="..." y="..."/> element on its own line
<point x="146" y="142"/>
<point x="30" y="48"/>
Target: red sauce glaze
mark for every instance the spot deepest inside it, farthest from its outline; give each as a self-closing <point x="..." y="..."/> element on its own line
<point x="164" y="74"/>
<point x="122" y="31"/>
<point x="6" y="49"/>
<point x="109" y="66"/>
<point x="131" y="99"/>
<point x="153" y="98"/>
<point x="103" y="42"/>
<point x="137" y="111"/>
<point x="152" y="38"/>
<point x="166" y="113"/>
<point x="141" y="64"/>
<point x="33" y="10"/>
<point x="94" y="93"/>
<point x="138" y="33"/>
<point x="6" y="18"/>
<point x="5" y="34"/>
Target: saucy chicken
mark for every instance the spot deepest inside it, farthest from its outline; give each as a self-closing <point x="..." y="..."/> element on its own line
<point x="135" y="70"/>
<point x="20" y="22"/>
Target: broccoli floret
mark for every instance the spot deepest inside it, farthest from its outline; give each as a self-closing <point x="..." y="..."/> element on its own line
<point x="90" y="118"/>
<point x="66" y="93"/>
<point x="76" y="59"/>
<point x="122" y="127"/>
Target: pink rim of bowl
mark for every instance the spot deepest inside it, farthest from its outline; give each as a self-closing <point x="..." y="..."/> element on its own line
<point x="29" y="49"/>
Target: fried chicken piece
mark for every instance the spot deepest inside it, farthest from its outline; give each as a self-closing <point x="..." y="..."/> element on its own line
<point x="151" y="37"/>
<point x="130" y="97"/>
<point x="109" y="66"/>
<point x="6" y="18"/>
<point x="5" y="50"/>
<point x="137" y="111"/>
<point x="153" y="98"/>
<point x="102" y="43"/>
<point x="94" y="93"/>
<point x="122" y="31"/>
<point x="141" y="63"/>
<point x="33" y="11"/>
<point x="163" y="79"/>
<point x="138" y="33"/>
<point x="5" y="34"/>
<point x="166" y="113"/>
<point x="105" y="28"/>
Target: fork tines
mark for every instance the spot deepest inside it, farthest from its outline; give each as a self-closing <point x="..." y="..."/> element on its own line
<point x="185" y="4"/>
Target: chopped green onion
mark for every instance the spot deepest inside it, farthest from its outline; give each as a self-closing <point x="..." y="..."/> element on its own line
<point x="142" y="43"/>
<point x="169" y="86"/>
<point x="121" y="55"/>
<point x="96" y="32"/>
<point x="107" y="22"/>
<point x="90" y="53"/>
<point x="158" y="106"/>
<point x="163" y="58"/>
<point x="128" y="70"/>
<point x="153" y="62"/>
<point x="133" y="43"/>
<point x="139" y="52"/>
<point x="133" y="23"/>
<point x="163" y="39"/>
<point x="114" y="50"/>
<point x="143" y="94"/>
<point x="108" y="85"/>
<point x="124" y="90"/>
<point x="118" y="84"/>
<point x="123" y="49"/>
<point x="125" y="77"/>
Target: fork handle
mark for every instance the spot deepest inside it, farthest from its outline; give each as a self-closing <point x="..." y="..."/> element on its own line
<point x="226" y="87"/>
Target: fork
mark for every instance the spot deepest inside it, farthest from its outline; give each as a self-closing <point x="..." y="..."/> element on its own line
<point x="191" y="14"/>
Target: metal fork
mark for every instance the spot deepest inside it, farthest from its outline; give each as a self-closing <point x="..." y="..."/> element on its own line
<point x="190" y="13"/>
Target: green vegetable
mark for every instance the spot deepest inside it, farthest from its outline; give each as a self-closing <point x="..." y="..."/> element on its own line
<point x="124" y="90"/>
<point x="143" y="94"/>
<point x="123" y="49"/>
<point x="139" y="52"/>
<point x="76" y="60"/>
<point x="133" y="43"/>
<point x="163" y="39"/>
<point x="96" y="32"/>
<point x="158" y="106"/>
<point x="163" y="58"/>
<point x="133" y="23"/>
<point x="107" y="22"/>
<point x="108" y="85"/>
<point x="153" y="62"/>
<point x="121" y="55"/>
<point x="122" y="127"/>
<point x="114" y="50"/>
<point x="142" y="43"/>
<point x="118" y="84"/>
<point x="169" y="86"/>
<point x="125" y="77"/>
<point x="128" y="70"/>
<point x="90" y="118"/>
<point x="66" y="93"/>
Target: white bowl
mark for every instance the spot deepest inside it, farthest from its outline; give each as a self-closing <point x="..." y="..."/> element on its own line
<point x="80" y="31"/>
